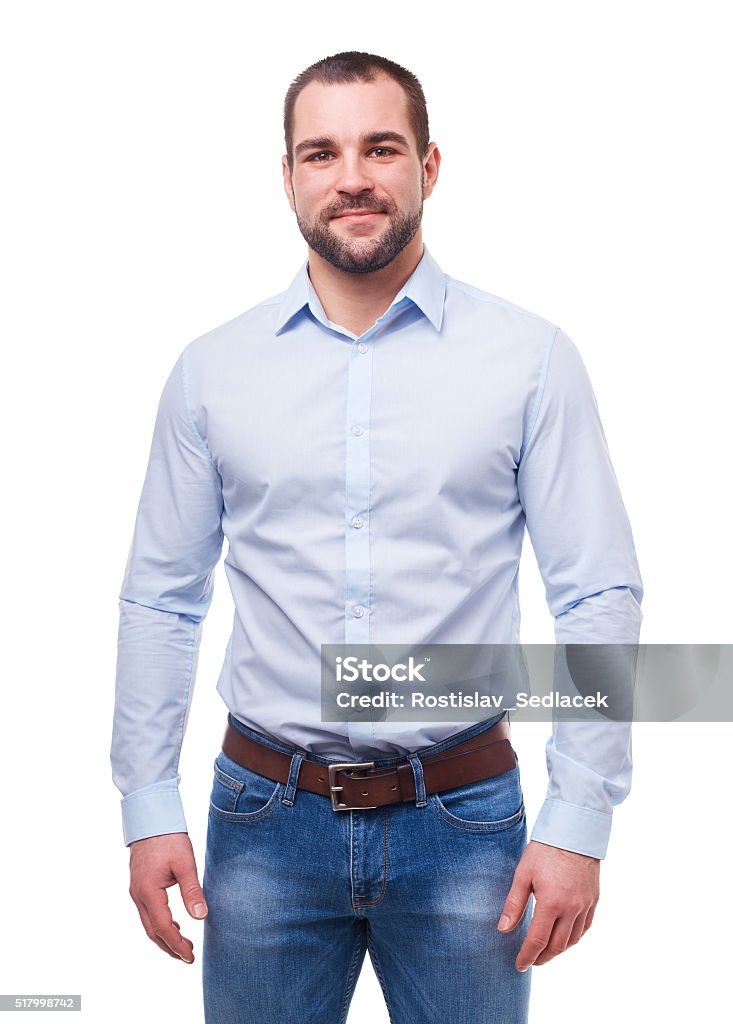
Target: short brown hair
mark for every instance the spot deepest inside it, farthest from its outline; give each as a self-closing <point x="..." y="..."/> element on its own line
<point x="353" y="66"/>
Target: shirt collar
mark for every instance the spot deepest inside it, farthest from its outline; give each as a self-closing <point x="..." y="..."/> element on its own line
<point x="425" y="288"/>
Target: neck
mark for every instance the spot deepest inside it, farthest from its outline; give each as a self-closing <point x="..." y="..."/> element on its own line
<point x="355" y="301"/>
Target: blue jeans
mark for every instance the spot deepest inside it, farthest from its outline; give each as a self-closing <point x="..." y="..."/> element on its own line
<point x="298" y="892"/>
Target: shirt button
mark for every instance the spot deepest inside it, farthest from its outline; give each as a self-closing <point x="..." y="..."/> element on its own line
<point x="358" y="611"/>
<point x="357" y="430"/>
<point x="357" y="522"/>
<point x="363" y="348"/>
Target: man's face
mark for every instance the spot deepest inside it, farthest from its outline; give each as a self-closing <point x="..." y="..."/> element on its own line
<point x="357" y="184"/>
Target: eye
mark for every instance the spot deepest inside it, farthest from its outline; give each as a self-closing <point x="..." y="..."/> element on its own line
<point x="382" y="151"/>
<point x="319" y="157"/>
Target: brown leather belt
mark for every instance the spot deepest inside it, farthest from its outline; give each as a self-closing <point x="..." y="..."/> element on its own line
<point x="360" y="786"/>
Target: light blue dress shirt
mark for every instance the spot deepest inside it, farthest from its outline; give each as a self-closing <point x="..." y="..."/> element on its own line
<point x="371" y="489"/>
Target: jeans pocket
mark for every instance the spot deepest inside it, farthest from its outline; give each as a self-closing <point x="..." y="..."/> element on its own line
<point x="240" y="795"/>
<point x="489" y="805"/>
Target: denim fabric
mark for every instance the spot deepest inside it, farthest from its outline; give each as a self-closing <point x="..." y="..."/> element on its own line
<point x="297" y="894"/>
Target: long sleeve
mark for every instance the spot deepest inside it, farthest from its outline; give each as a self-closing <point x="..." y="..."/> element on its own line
<point x="584" y="547"/>
<point x="166" y="593"/>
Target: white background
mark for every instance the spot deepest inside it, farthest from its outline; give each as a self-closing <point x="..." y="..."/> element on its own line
<point x="586" y="176"/>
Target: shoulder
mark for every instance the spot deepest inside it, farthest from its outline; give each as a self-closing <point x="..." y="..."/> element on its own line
<point x="518" y="337"/>
<point x="236" y="335"/>
<point x="469" y="298"/>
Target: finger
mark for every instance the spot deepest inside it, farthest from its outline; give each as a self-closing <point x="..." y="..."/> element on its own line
<point x="515" y="903"/>
<point x="559" y="939"/>
<point x="156" y="904"/>
<point x="150" y="932"/>
<point x="579" y="928"/>
<point x="537" y="937"/>
<point x="191" y="892"/>
<point x="589" y="919"/>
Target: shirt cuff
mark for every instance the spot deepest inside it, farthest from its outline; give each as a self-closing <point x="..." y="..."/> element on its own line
<point x="155" y="810"/>
<point x="571" y="827"/>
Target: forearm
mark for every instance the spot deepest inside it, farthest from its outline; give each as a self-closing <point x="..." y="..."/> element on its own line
<point x="156" y="668"/>
<point x="589" y="762"/>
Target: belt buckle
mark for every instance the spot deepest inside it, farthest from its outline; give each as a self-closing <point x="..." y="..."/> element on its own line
<point x="332" y="769"/>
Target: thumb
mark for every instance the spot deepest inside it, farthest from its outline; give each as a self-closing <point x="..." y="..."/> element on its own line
<point x="515" y="903"/>
<point x="192" y="893"/>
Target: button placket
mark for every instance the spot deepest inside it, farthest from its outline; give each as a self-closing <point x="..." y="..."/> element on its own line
<point x="356" y="519"/>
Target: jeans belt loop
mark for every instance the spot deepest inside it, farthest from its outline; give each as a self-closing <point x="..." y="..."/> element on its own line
<point x="420" y="795"/>
<point x="292" y="783"/>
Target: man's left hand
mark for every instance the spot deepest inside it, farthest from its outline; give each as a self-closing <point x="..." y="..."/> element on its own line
<point x="566" y="887"/>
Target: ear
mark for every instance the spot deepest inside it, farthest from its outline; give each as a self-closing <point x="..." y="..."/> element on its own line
<point x="288" y="183"/>
<point x="431" y="167"/>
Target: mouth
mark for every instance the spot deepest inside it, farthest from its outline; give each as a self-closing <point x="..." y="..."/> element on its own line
<point x="358" y="214"/>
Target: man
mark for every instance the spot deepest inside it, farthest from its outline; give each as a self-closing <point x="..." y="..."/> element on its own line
<point x="371" y="443"/>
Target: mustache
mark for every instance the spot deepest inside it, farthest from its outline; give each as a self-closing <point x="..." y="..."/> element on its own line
<point x="369" y="203"/>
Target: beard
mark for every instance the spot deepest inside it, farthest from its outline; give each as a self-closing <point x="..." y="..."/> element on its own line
<point x="361" y="255"/>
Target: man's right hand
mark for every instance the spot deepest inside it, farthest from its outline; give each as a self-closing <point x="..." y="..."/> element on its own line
<point x="155" y="864"/>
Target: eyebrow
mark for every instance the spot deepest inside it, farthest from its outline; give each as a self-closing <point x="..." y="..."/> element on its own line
<point x="370" y="138"/>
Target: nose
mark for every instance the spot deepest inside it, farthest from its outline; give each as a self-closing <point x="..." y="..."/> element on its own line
<point x="354" y="175"/>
